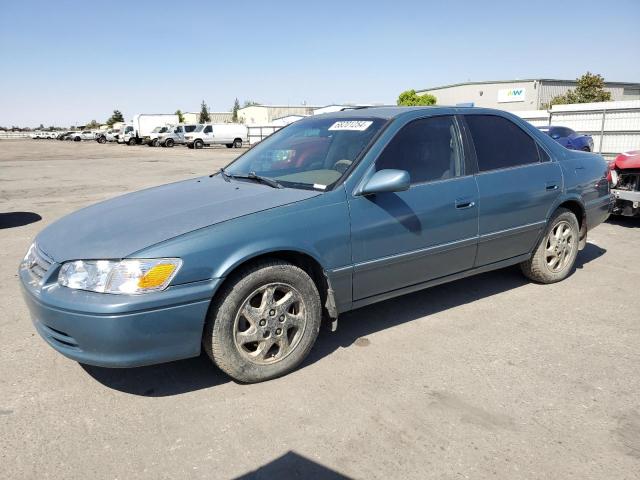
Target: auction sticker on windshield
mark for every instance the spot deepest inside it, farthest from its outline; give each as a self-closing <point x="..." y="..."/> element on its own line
<point x="356" y="125"/>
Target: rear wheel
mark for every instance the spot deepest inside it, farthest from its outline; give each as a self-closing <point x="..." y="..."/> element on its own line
<point x="169" y="142"/>
<point x="555" y="255"/>
<point x="77" y="139"/>
<point x="229" y="145"/>
<point x="198" y="144"/>
<point x="102" y="140"/>
<point x="237" y="143"/>
<point x="264" y="322"/>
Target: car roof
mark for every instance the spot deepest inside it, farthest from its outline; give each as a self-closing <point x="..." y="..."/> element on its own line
<point x="390" y="112"/>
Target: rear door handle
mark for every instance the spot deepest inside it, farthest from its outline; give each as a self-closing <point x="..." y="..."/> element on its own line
<point x="465" y="203"/>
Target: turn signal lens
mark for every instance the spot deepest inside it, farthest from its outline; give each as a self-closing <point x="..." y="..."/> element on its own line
<point x="157" y="276"/>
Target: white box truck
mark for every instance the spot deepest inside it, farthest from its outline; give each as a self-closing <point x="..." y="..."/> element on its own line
<point x="229" y="134"/>
<point x="144" y="123"/>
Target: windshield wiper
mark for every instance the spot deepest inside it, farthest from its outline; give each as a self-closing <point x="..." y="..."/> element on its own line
<point x="258" y="178"/>
<point x="249" y="176"/>
<point x="224" y="174"/>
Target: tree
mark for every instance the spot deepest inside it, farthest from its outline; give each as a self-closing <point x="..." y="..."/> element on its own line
<point x="234" y="111"/>
<point x="180" y="116"/>
<point x="590" y="89"/>
<point x="249" y="103"/>
<point x="204" y="113"/>
<point x="92" y="124"/>
<point x="409" y="98"/>
<point x="115" y="118"/>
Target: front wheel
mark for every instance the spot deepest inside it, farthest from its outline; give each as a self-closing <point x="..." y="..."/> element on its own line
<point x="132" y="141"/>
<point x="586" y="149"/>
<point x="198" y="144"/>
<point x="169" y="142"/>
<point x="264" y="322"/>
<point x="555" y="255"/>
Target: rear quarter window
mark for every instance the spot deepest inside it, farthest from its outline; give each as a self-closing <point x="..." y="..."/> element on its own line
<point x="500" y="143"/>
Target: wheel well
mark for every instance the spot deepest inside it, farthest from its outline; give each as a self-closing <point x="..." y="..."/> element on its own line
<point x="237" y="138"/>
<point x="577" y="210"/>
<point x="301" y="260"/>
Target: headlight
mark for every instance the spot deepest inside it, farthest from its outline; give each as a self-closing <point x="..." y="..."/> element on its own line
<point x="132" y="276"/>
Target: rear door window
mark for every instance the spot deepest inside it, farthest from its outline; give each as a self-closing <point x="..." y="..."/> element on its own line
<point x="500" y="143"/>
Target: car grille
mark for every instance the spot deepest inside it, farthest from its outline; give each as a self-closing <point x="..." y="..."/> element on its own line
<point x="38" y="264"/>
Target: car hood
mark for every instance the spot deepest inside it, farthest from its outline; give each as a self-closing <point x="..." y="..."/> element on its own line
<point x="628" y="160"/>
<point x="124" y="225"/>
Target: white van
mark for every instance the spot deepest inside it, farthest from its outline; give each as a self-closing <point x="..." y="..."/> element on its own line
<point x="229" y="134"/>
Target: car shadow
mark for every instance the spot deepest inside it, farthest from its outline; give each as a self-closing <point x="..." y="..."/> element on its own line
<point x="293" y="466"/>
<point x="354" y="326"/>
<point x="162" y="380"/>
<point x="18" y="219"/>
<point x="621" y="221"/>
<point x="193" y="374"/>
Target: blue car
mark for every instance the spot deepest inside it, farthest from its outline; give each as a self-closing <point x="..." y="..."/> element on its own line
<point x="332" y="213"/>
<point x="569" y="138"/>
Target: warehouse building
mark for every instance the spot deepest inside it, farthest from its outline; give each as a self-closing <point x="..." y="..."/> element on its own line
<point x="216" y="117"/>
<point x="266" y="114"/>
<point x="519" y="94"/>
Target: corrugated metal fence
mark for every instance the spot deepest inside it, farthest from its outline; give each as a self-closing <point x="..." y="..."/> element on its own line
<point x="614" y="126"/>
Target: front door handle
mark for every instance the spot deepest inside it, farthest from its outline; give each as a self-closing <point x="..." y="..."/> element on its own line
<point x="551" y="186"/>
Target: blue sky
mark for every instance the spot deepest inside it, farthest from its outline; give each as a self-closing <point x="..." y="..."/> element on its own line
<point x="69" y="62"/>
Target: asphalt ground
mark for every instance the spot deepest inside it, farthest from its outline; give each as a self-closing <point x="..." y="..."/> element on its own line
<point x="487" y="377"/>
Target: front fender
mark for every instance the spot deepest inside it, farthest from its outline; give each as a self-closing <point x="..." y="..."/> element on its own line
<point x="317" y="227"/>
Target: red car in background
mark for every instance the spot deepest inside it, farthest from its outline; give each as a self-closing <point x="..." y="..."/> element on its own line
<point x="624" y="176"/>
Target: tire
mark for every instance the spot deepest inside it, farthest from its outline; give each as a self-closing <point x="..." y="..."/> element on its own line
<point x="102" y="140"/>
<point x="132" y="141"/>
<point x="586" y="149"/>
<point x="229" y="145"/>
<point x="198" y="144"/>
<point x="288" y="331"/>
<point x="237" y="143"/>
<point x="169" y="142"/>
<point x="190" y="145"/>
<point x="77" y="139"/>
<point x="552" y="263"/>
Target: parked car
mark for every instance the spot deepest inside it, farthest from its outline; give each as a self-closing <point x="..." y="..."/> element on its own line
<point x="62" y="135"/>
<point x="109" y="135"/>
<point x="569" y="138"/>
<point x="152" y="139"/>
<point x="175" y="135"/>
<point x="229" y="134"/>
<point x="329" y="214"/>
<point x="83" y="135"/>
<point x="625" y="184"/>
<point x="143" y="124"/>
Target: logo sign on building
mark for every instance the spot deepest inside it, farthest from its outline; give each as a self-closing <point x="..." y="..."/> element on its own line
<point x="507" y="95"/>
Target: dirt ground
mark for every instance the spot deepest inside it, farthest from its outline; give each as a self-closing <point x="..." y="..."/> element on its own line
<point x="487" y="377"/>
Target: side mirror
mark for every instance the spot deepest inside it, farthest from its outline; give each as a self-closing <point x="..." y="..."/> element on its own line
<point x="387" y="181"/>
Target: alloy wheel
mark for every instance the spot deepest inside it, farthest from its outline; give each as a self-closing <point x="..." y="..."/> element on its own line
<point x="559" y="247"/>
<point x="270" y="323"/>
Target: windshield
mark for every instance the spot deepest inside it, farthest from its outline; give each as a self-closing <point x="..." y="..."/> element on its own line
<point x="311" y="153"/>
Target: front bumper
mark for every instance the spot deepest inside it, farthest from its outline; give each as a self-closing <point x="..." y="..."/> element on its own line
<point x="625" y="195"/>
<point x="120" y="330"/>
